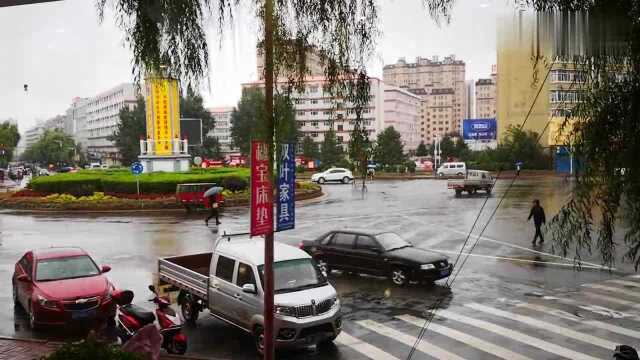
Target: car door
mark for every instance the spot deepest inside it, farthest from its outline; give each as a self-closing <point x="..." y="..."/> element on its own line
<point x="247" y="304"/>
<point x="25" y="289"/>
<point x="367" y="255"/>
<point x="340" y="251"/>
<point x="222" y="292"/>
<point x="334" y="175"/>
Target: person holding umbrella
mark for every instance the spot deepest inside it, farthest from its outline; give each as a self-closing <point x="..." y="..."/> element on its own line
<point x="214" y="197"/>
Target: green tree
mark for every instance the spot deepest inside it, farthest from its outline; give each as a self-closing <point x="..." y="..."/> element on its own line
<point x="53" y="148"/>
<point x="247" y="120"/>
<point x="421" y="150"/>
<point x="309" y="148"/>
<point x="389" y="150"/>
<point x="9" y="138"/>
<point x="447" y="148"/>
<point x="359" y="149"/>
<point x="192" y="106"/>
<point x="131" y="127"/>
<point x="330" y="151"/>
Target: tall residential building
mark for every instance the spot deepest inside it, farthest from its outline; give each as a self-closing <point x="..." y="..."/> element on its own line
<point x="34" y="134"/>
<point x="471" y="87"/>
<point x="54" y="123"/>
<point x="440" y="84"/>
<point x="314" y="62"/>
<point x="222" y="128"/>
<point x="102" y="117"/>
<point x="402" y="111"/>
<point x="317" y="111"/>
<point x="485" y="99"/>
<point x="76" y="120"/>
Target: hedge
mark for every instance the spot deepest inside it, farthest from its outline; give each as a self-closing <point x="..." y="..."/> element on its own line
<point x="121" y="181"/>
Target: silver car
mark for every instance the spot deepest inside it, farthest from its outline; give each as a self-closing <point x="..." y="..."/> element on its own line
<point x="307" y="308"/>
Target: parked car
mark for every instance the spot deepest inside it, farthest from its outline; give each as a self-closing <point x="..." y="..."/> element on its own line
<point x="452" y="169"/>
<point x="43" y="172"/>
<point x="382" y="254"/>
<point x="58" y="286"/>
<point x="191" y="196"/>
<point x="474" y="180"/>
<point x="228" y="281"/>
<point x="333" y="174"/>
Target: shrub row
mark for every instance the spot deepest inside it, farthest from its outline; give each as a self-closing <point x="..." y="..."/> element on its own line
<point x="87" y="183"/>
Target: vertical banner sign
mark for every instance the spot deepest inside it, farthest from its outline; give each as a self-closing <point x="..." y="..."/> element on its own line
<point x="285" y="205"/>
<point x="261" y="190"/>
<point x="163" y="113"/>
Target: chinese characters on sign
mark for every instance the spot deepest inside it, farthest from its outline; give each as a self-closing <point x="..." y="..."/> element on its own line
<point x="261" y="190"/>
<point x="163" y="114"/>
<point x="285" y="204"/>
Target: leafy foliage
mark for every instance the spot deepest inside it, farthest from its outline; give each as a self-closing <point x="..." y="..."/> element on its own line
<point x="9" y="137"/>
<point x="309" y="148"/>
<point x="131" y="127"/>
<point x="389" y="150"/>
<point x="330" y="151"/>
<point x="192" y="106"/>
<point x="54" y="147"/>
<point x="91" y="349"/>
<point x="422" y="150"/>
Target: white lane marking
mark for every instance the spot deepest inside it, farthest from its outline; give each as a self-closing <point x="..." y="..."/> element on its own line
<point x="513" y="259"/>
<point x="611" y="299"/>
<point x="624" y="283"/>
<point x="363" y="348"/>
<point x="516" y="335"/>
<point x="424" y="346"/>
<point x="473" y="341"/>
<point x="589" y="339"/>
<point x="615" y="314"/>
<point x="634" y="276"/>
<point x="527" y="249"/>
<point x="594" y="323"/>
<point x="613" y="289"/>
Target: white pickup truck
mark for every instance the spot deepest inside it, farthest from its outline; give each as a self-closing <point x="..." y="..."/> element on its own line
<point x="228" y="282"/>
<point x="473" y="181"/>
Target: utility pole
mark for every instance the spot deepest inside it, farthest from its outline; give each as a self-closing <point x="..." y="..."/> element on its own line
<point x="268" y="238"/>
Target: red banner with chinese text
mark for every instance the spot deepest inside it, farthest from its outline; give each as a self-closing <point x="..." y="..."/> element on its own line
<point x="261" y="190"/>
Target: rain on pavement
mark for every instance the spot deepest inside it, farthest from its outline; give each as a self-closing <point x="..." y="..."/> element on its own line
<point x="380" y="320"/>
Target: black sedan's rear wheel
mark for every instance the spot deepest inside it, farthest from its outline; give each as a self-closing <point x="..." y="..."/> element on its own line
<point x="399" y="276"/>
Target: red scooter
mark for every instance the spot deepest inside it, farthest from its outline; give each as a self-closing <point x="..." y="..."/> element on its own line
<point x="131" y="318"/>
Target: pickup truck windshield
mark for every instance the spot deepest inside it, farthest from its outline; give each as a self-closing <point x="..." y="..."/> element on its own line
<point x="66" y="268"/>
<point x="293" y="275"/>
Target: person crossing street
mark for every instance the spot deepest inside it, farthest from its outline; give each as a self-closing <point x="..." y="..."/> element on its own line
<point x="537" y="212"/>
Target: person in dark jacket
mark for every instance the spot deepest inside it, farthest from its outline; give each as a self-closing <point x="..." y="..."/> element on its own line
<point x="537" y="212"/>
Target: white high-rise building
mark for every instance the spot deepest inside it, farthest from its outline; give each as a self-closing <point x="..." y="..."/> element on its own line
<point x="34" y="134"/>
<point x="222" y="128"/>
<point x="102" y="117"/>
<point x="317" y="111"/>
<point x="402" y="111"/>
<point x="76" y="120"/>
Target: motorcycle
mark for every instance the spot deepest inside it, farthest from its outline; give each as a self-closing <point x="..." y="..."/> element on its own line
<point x="130" y="318"/>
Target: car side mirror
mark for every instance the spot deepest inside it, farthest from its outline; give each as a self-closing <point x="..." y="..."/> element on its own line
<point x="23" y="278"/>
<point x="105" y="269"/>
<point x="249" y="289"/>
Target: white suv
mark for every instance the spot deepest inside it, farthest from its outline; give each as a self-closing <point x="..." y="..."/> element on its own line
<point x="333" y="174"/>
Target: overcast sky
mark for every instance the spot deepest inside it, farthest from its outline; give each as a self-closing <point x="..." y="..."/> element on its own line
<point x="61" y="51"/>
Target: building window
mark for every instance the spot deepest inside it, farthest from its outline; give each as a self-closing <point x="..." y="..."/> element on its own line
<point x="314" y="101"/>
<point x="312" y="89"/>
<point x="314" y="134"/>
<point x="314" y="113"/>
<point x="300" y="113"/>
<point x="327" y="123"/>
<point x="340" y="128"/>
<point x="340" y="139"/>
<point x="327" y="112"/>
<point x="314" y="123"/>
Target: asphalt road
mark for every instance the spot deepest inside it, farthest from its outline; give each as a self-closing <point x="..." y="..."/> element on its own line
<point x="504" y="269"/>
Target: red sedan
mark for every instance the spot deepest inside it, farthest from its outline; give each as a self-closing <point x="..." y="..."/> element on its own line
<point x="57" y="286"/>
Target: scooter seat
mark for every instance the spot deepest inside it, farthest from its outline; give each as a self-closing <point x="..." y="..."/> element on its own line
<point x="141" y="314"/>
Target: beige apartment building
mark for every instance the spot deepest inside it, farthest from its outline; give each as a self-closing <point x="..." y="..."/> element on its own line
<point x="485" y="94"/>
<point x="402" y="111"/>
<point x="441" y="86"/>
<point x="315" y="64"/>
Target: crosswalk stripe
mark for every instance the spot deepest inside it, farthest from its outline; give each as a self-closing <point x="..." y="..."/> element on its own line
<point x="516" y="335"/>
<point x="611" y="299"/>
<point x="589" y="339"/>
<point x="363" y="348"/>
<point x="473" y="341"/>
<point x="613" y="289"/>
<point x="625" y="283"/>
<point x="424" y="346"/>
<point x="594" y="323"/>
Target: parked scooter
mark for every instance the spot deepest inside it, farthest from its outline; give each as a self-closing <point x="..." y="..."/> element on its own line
<point x="131" y="318"/>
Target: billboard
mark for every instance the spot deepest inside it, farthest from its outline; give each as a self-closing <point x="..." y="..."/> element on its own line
<point x="163" y="113"/>
<point x="479" y="129"/>
<point x="191" y="129"/>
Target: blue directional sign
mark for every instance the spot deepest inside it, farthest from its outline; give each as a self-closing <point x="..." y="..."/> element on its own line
<point x="479" y="129"/>
<point x="136" y="168"/>
<point x="285" y="202"/>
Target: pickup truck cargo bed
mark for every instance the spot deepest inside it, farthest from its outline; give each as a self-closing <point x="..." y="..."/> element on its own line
<point x="187" y="272"/>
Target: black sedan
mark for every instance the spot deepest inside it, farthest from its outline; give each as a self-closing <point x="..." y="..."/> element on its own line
<point x="382" y="254"/>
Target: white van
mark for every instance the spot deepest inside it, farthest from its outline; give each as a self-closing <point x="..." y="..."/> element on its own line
<point x="452" y="169"/>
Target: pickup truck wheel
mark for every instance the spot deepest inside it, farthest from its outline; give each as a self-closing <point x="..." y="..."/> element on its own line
<point x="189" y="310"/>
<point x="399" y="276"/>
<point x="258" y="336"/>
<point x="458" y="192"/>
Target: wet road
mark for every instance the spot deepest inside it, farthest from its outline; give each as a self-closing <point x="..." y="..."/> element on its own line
<point x="504" y="267"/>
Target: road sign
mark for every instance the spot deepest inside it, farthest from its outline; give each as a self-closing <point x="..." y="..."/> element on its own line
<point x="136" y="168"/>
<point x="285" y="204"/>
<point x="261" y="190"/>
<point x="197" y="160"/>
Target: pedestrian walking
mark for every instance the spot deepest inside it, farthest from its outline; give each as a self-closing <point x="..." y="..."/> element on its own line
<point x="518" y="167"/>
<point x="537" y="212"/>
<point x="214" y="199"/>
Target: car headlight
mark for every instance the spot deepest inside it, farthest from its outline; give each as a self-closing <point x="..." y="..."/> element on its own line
<point x="46" y="303"/>
<point x="285" y="310"/>
<point x="427" y="266"/>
